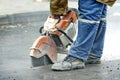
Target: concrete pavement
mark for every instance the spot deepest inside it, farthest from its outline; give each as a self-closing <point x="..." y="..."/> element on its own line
<point x="15" y="63"/>
<point x="15" y="41"/>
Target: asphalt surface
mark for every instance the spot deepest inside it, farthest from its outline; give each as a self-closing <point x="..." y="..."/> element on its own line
<point x="15" y="63"/>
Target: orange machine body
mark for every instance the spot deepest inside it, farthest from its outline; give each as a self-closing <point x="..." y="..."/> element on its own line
<point x="65" y="21"/>
<point x="42" y="46"/>
<point x="46" y="45"/>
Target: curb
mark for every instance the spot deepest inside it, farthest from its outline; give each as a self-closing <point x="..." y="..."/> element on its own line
<point x="25" y="17"/>
<point x="21" y="18"/>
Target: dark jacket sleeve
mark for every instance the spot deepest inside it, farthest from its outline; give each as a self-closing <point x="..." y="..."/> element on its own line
<point x="58" y="7"/>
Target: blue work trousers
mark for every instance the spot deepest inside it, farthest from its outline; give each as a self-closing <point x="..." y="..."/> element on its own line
<point x="91" y="30"/>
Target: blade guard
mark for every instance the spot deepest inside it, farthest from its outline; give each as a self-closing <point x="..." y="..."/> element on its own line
<point x="42" y="46"/>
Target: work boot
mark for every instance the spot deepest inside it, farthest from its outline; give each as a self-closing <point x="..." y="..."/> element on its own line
<point x="69" y="63"/>
<point x="93" y="60"/>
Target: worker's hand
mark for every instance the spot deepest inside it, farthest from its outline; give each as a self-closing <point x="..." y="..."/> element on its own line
<point x="50" y="24"/>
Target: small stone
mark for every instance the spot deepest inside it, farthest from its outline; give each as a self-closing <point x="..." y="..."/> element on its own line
<point x="107" y="66"/>
<point x="118" y="68"/>
<point x="110" y="70"/>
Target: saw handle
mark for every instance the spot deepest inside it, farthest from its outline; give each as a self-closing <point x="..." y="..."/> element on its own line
<point x="65" y="34"/>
